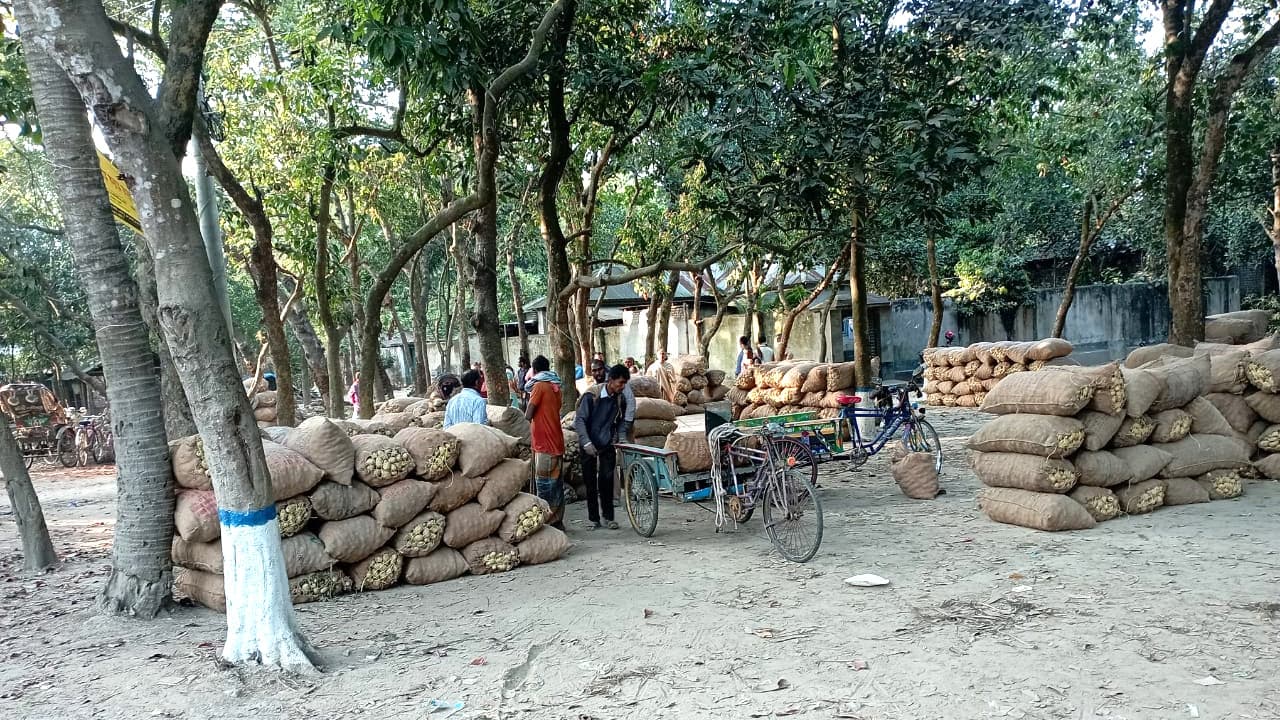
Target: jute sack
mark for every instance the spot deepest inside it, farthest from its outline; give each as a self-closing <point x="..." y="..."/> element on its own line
<point x="419" y="408"/>
<point x="443" y="564"/>
<point x="206" y="557"/>
<point x="983" y="373"/>
<point x="841" y="376"/>
<point x="1057" y="393"/>
<point x="1227" y="372"/>
<point x="696" y="397"/>
<point x="470" y="523"/>
<point x="304" y="553"/>
<point x="660" y="441"/>
<point x="1143" y="461"/>
<point x="1259" y="320"/>
<point x="276" y="433"/>
<point x="332" y="501"/>
<point x="1133" y="431"/>
<point x="654" y="409"/>
<point x="643" y="386"/>
<point x="689" y="365"/>
<point x="715" y="378"/>
<point x="1143" y="355"/>
<point x="353" y="539"/>
<point x="980" y="351"/>
<point x="195" y="516"/>
<point x="1016" y="353"/>
<point x="326" y="446"/>
<point x="1101" y="503"/>
<point x="265" y="414"/>
<point x="264" y="399"/>
<point x="1101" y="469"/>
<point x="397" y="405"/>
<point x="1142" y="389"/>
<point x="1185" y="379"/>
<point x="1143" y="497"/>
<point x="490" y="555"/>
<point x="957" y="375"/>
<point x="319" y="586"/>
<point x="1271" y="342"/>
<point x="738" y="397"/>
<point x="1042" y="435"/>
<point x="434" y="451"/>
<point x="1049" y="349"/>
<point x="1262" y="369"/>
<point x="1268" y="441"/>
<point x="432" y="420"/>
<point x="1040" y="511"/>
<point x="1265" y="404"/>
<point x="1221" y="484"/>
<point x="457" y="490"/>
<point x="293" y="514"/>
<point x="769" y="375"/>
<point x="654" y="427"/>
<point x="693" y="452"/>
<point x="1206" y="420"/>
<point x="1234" y="409"/>
<point x="796" y="375"/>
<point x="916" y="476"/>
<point x="1230" y="330"/>
<point x="1099" y="428"/>
<point x="1255" y="432"/>
<point x="380" y="460"/>
<point x="1198" y="454"/>
<point x="1184" y="491"/>
<point x="420" y="536"/>
<point x="969" y="401"/>
<point x="204" y="588"/>
<point x="400" y="502"/>
<point x="480" y="447"/>
<point x="1025" y="472"/>
<point x="816" y="380"/>
<point x="379" y="571"/>
<point x="1269" y="466"/>
<point x="543" y="546"/>
<point x="1171" y="426"/>
<point x="716" y="393"/>
<point x="746" y="381"/>
<point x="1110" y="393"/>
<point x="510" y="421"/>
<point x="504" y="481"/>
<point x="522" y="517"/>
<point x="291" y="473"/>
<point x="190" y="469"/>
<point x="395" y="422"/>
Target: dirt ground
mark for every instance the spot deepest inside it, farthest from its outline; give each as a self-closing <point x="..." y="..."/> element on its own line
<point x="1169" y="615"/>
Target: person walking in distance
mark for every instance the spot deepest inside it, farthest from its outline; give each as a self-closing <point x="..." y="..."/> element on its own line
<point x="547" y="437"/>
<point x="765" y="352"/>
<point x="467" y="406"/>
<point x="599" y="421"/>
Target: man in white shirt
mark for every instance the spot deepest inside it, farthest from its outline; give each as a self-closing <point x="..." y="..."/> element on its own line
<point x="766" y="352"/>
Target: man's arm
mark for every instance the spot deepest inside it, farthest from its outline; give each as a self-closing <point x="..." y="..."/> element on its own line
<point x="530" y="407"/>
<point x="580" y="423"/>
<point x="480" y="415"/>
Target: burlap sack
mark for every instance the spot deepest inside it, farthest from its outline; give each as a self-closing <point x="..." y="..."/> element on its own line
<point x="398" y="503"/>
<point x="716" y="393"/>
<point x="967" y="401"/>
<point x="419" y="408"/>
<point x="816" y="380"/>
<point x="470" y="523"/>
<point x="1265" y="404"/>
<point x="1171" y="426"/>
<point x="1268" y="466"/>
<point x="1142" y="389"/>
<point x="1101" y="468"/>
<point x="1056" y="393"/>
<point x="1143" y="355"/>
<point x="1049" y="349"/>
<point x="1185" y="379"/>
<point x="1255" y="432"/>
<point x="1271" y="342"/>
<point x="206" y="557"/>
<point x="945" y="387"/>
<point x="696" y="397"/>
<point x="195" y="516"/>
<point x="1043" y="435"/>
<point x="1230" y="330"/>
<point x="1262" y="370"/>
<point x="509" y="420"/>
<point x="654" y="427"/>
<point x="693" y="452"/>
<point x="293" y="514"/>
<point x="291" y="473"/>
<point x="190" y="470"/>
<point x="1133" y="431"/>
<point x="983" y="373"/>
<point x="326" y="446"/>
<point x="420" y="536"/>
<point x="715" y="378"/>
<point x="738" y="397"/>
<point x="1206" y="420"/>
<point x="1143" y="497"/>
<point x="456" y="490"/>
<point x="1040" y="511"/>
<point x="689" y="365"/>
<point x="264" y="414"/>
<point x="432" y="420"/>
<point x="332" y="501"/>
<point x="1016" y="353"/>
<point x="654" y="409"/>
<point x="201" y="587"/>
<point x="916" y="476"/>
<point x="480" y="447"/>
<point x="957" y="375"/>
<point x="523" y="516"/>
<point x="1000" y="370"/>
<point x="320" y="586"/>
<point x="1143" y="461"/>
<point x="1227" y="372"/>
<point x="442" y="564"/>
<point x="1110" y="394"/>
<point x="746" y="381"/>
<point x="1198" y="454"/>
<point x="1184" y="491"/>
<point x="264" y="399"/>
<point x="380" y="460"/>
<point x="353" y="539"/>
<point x="397" y="405"/>
<point x="796" y="375"/>
<point x="379" y="571"/>
<point x="841" y="376"/>
<point x="434" y="451"/>
<point x="503" y="482"/>
<point x="1099" y="428"/>
<point x="543" y="546"/>
<point x="1269" y="440"/>
<point x="359" y="426"/>
<point x="276" y="433"/>
<point x="1025" y="472"/>
<point x="657" y="441"/>
<point x="643" y="386"/>
<point x="1101" y="503"/>
<point x="395" y="422"/>
<point x="1235" y="410"/>
<point x="304" y="553"/>
<point x="1221" y="484"/>
<point x="490" y="555"/>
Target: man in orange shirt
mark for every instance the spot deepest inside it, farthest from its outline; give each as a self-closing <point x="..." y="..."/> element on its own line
<point x="543" y="413"/>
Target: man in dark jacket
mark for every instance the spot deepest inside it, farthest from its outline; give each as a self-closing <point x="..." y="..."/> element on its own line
<point x="601" y="418"/>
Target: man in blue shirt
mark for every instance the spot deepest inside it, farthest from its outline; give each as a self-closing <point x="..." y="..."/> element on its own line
<point x="467" y="406"/>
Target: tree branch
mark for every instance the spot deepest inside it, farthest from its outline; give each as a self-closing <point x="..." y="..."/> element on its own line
<point x="189" y="27"/>
<point x="38" y="325"/>
<point x="580" y="282"/>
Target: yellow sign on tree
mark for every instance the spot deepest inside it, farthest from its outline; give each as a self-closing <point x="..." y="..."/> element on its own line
<point x="121" y="199"/>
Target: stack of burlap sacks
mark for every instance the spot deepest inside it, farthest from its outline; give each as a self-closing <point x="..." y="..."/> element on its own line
<point x="1073" y="446"/>
<point x="685" y="382"/>
<point x="962" y="376"/>
<point x="264" y="407"/>
<point x="792" y="386"/>
<point x="366" y="512"/>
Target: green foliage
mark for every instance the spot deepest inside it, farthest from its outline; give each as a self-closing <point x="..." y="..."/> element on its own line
<point x="989" y="282"/>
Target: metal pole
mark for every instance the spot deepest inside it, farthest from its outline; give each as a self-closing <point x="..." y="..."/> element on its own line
<point x="207" y="207"/>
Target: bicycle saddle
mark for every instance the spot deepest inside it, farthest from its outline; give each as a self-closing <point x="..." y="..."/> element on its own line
<point x="846" y="400"/>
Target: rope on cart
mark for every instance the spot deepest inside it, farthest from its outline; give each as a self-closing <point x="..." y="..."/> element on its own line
<point x="719" y="491"/>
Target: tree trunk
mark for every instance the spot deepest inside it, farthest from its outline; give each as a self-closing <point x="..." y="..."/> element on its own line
<point x="752" y="303"/>
<point x="145" y="133"/>
<point x="1275" y="207"/>
<point x="418" y="310"/>
<point x="460" y="302"/>
<point x="825" y="353"/>
<point x="37" y="547"/>
<point x="1077" y="264"/>
<point x="312" y="349"/>
<point x="664" y="314"/>
<point x="178" y="422"/>
<point x="709" y="333"/>
<point x="334" y="401"/>
<point x="141" y="569"/>
<point x="651" y="322"/>
<point x="444" y="341"/>
<point x="517" y="297"/>
<point x="696" y="313"/>
<point x="789" y="318"/>
<point x="935" y="288"/>
<point x="858" y="296"/>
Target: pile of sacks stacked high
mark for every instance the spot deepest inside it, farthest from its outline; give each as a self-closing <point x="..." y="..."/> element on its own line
<point x="962" y="376"/>
<point x="367" y="512"/>
<point x="685" y="382"/>
<point x="1073" y="446"/>
<point x="790" y="387"/>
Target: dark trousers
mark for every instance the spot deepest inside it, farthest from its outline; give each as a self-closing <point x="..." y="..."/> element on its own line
<point x="597" y="474"/>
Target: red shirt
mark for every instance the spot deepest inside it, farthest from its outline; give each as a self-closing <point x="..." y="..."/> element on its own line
<point x="548" y="436"/>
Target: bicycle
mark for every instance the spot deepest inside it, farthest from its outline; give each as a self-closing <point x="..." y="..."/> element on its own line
<point x="94" y="439"/>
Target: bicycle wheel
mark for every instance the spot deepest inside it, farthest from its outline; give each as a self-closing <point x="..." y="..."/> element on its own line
<point x="84" y="446"/>
<point x="798" y="455"/>
<point x="640" y="495"/>
<point x="921" y="437"/>
<point x="792" y="514"/>
<point x="103" y="447"/>
<point x="67" y="454"/>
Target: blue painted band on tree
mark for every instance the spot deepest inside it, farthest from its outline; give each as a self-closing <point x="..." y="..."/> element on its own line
<point x="247" y="518"/>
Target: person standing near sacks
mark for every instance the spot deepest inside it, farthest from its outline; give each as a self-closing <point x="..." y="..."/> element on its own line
<point x="599" y="374"/>
<point x="467" y="406"/>
<point x="599" y="421"/>
<point x="547" y="437"/>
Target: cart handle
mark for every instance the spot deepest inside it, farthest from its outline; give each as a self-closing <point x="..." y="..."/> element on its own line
<point x="645" y="450"/>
